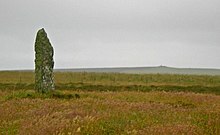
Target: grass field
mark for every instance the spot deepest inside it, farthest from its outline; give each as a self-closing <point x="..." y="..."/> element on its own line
<point x="101" y="103"/>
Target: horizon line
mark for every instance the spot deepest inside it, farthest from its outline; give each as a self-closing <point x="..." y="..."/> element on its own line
<point x="112" y="67"/>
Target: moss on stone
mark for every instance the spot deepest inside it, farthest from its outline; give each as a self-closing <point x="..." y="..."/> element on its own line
<point x="44" y="63"/>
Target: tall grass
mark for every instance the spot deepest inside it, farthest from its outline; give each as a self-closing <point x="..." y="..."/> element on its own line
<point x="111" y="113"/>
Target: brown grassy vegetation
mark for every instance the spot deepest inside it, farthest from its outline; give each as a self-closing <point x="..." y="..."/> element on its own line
<point x="110" y="113"/>
<point x="91" y="106"/>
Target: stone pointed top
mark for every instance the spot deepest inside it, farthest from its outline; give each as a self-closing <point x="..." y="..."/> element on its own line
<point x="41" y="31"/>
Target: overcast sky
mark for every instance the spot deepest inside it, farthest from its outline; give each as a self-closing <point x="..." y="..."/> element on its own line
<point x="112" y="33"/>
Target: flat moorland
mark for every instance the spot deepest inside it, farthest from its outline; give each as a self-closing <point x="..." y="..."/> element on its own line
<point x="101" y="103"/>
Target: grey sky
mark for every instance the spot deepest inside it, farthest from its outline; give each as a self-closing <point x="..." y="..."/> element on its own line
<point x="112" y="33"/>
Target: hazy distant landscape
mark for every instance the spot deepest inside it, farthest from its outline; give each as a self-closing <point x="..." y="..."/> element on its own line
<point x="148" y="70"/>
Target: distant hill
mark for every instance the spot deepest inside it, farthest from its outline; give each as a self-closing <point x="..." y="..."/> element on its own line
<point x="148" y="70"/>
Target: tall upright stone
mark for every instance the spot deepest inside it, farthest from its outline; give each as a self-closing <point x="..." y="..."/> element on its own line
<point x="44" y="78"/>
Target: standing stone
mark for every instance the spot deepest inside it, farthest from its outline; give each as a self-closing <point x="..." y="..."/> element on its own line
<point x="44" y="78"/>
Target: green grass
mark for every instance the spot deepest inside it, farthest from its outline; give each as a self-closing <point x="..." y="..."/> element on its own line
<point x="111" y="104"/>
<point x="114" y="78"/>
<point x="116" y="82"/>
<point x="33" y="95"/>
